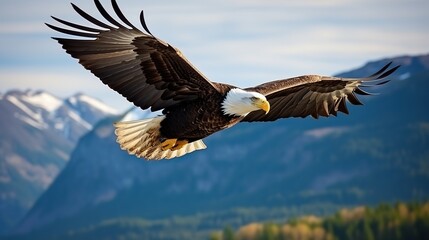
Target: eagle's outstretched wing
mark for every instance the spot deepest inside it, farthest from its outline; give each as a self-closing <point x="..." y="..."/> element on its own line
<point x="142" y="68"/>
<point x="313" y="95"/>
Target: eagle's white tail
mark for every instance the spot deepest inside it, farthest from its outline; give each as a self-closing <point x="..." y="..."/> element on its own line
<point x="142" y="138"/>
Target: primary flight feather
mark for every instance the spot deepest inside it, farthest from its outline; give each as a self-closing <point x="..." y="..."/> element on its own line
<point x="153" y="74"/>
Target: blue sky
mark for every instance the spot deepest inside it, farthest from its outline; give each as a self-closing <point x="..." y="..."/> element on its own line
<point x="242" y="42"/>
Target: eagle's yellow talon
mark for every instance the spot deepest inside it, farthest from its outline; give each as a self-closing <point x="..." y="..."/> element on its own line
<point x="179" y="145"/>
<point x="168" y="144"/>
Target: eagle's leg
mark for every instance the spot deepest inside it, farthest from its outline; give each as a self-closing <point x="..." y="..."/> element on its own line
<point x="168" y="143"/>
<point x="179" y="144"/>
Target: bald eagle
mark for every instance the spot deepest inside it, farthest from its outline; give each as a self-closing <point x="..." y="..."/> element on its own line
<point x="153" y="74"/>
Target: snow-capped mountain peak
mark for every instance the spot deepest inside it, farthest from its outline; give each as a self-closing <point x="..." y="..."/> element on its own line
<point x="35" y="99"/>
<point x="80" y="98"/>
<point x="43" y="100"/>
<point x="69" y="117"/>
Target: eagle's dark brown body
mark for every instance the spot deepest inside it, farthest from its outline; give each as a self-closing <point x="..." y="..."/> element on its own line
<point x="197" y="119"/>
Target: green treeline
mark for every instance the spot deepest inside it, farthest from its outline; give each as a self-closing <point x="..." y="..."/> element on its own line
<point x="401" y="221"/>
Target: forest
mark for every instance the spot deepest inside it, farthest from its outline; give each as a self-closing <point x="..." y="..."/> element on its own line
<point x="383" y="222"/>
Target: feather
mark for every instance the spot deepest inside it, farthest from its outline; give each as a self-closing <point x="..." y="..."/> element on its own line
<point x="353" y="99"/>
<point x="381" y="70"/>
<point x="361" y="92"/>
<point x="342" y="107"/>
<point x="143" y="22"/>
<point x="324" y="108"/>
<point x="90" y="18"/>
<point x="71" y="32"/>
<point x="121" y="15"/>
<point x="106" y="15"/>
<point x="80" y="27"/>
<point x="388" y="73"/>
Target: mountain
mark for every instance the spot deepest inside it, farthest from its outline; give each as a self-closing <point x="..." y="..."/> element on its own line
<point x="377" y="153"/>
<point x="39" y="131"/>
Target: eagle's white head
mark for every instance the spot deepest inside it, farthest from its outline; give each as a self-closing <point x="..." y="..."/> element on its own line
<point x="239" y="102"/>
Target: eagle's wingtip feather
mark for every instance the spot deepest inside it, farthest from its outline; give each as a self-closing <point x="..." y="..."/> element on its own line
<point x="143" y="23"/>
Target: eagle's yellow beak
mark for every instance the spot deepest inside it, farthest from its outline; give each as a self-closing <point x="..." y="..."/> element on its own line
<point x="263" y="104"/>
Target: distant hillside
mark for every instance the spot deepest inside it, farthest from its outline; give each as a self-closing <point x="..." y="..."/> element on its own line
<point x="384" y="222"/>
<point x="38" y="134"/>
<point x="378" y="153"/>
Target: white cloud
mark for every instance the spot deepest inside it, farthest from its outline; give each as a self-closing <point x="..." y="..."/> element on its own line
<point x="326" y="131"/>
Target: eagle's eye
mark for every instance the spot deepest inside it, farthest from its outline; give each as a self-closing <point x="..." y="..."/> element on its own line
<point x="253" y="99"/>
